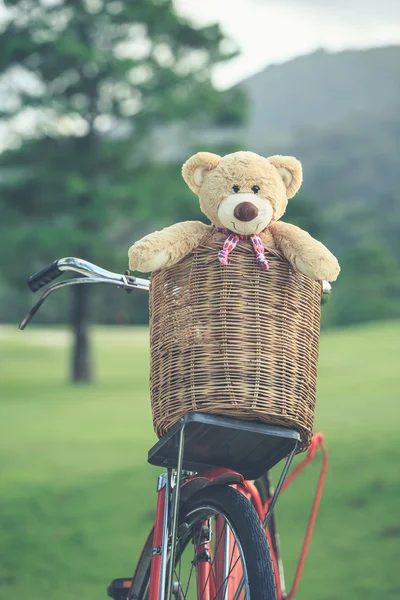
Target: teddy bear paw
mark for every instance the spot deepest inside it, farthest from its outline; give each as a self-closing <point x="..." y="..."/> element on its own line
<point x="154" y="263"/>
<point x="322" y="269"/>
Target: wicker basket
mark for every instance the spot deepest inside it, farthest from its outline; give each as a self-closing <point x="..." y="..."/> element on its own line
<point x="234" y="340"/>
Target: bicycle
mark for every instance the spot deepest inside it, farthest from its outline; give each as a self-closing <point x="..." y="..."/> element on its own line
<point x="215" y="534"/>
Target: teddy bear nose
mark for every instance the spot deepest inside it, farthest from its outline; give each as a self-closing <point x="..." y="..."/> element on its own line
<point x="245" y="211"/>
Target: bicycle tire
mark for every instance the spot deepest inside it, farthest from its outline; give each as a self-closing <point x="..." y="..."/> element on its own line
<point x="243" y="520"/>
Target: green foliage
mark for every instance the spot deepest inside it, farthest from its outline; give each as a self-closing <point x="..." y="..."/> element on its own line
<point x="305" y="214"/>
<point x="102" y="74"/>
<point x="97" y="78"/>
<point x="369" y="286"/>
<point x="78" y="498"/>
<point x="352" y="182"/>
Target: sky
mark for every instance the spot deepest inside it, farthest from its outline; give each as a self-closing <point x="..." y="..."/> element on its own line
<point x="273" y="31"/>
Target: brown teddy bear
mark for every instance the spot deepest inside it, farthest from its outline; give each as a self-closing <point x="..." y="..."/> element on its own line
<point x="244" y="195"/>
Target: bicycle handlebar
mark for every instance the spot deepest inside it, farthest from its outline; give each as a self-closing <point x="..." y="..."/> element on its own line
<point x="44" y="276"/>
<point x="94" y="274"/>
<point x="84" y="267"/>
<point x="326" y="292"/>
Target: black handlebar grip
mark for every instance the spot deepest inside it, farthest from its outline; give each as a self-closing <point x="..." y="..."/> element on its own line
<point x="44" y="276"/>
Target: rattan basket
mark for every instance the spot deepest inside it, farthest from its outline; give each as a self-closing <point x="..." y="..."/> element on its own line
<point x="234" y="340"/>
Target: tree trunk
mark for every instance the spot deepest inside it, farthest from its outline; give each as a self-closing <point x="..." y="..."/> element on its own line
<point x="81" y="371"/>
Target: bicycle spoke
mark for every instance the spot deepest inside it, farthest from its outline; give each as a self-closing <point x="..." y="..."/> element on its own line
<point x="191" y="571"/>
<point x="214" y="553"/>
<point x="239" y="590"/>
<point x="197" y="573"/>
<point x="230" y="568"/>
<point x="206" y="582"/>
<point x="210" y="567"/>
<point x="226" y="579"/>
<point x="208" y="577"/>
<point x="180" y="564"/>
<point x="179" y="586"/>
<point x="188" y="583"/>
<point x="213" y="560"/>
<point x="232" y="555"/>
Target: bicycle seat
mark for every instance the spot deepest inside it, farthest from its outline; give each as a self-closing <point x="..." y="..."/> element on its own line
<point x="248" y="447"/>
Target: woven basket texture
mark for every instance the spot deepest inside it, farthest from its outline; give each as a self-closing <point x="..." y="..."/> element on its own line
<point x="234" y="340"/>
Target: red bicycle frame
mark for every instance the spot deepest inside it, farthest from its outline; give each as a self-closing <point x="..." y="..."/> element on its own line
<point x="206" y="584"/>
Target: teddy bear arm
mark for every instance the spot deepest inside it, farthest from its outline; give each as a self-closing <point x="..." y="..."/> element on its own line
<point x="305" y="254"/>
<point x="165" y="248"/>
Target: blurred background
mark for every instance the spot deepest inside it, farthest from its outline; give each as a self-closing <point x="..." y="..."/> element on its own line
<point x="101" y="101"/>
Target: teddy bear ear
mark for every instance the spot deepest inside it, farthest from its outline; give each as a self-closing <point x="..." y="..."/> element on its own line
<point x="289" y="168"/>
<point x="196" y="167"/>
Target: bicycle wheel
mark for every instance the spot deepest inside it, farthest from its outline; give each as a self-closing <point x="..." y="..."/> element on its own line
<point x="222" y="551"/>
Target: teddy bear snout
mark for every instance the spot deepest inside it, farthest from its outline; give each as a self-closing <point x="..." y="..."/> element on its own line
<point x="246" y="211"/>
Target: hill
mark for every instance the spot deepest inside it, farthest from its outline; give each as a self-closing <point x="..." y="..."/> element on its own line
<point x="322" y="90"/>
<point x="339" y="114"/>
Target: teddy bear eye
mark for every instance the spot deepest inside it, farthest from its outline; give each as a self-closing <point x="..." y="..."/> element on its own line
<point x="255" y="189"/>
<point x="236" y="188"/>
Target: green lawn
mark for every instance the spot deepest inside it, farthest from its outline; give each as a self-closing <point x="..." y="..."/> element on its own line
<point x="77" y="497"/>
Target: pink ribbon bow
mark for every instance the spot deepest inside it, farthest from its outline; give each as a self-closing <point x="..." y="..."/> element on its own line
<point x="231" y="242"/>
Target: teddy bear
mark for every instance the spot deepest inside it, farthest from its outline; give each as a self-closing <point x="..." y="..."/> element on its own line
<point x="243" y="195"/>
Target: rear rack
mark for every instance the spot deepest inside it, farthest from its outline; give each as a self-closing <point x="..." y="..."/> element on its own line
<point x="248" y="447"/>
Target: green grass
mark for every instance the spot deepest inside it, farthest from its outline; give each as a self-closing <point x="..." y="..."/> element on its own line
<point x="77" y="497"/>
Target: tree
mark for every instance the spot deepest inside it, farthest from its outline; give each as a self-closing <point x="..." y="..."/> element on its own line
<point x="369" y="285"/>
<point x="306" y="215"/>
<point x="93" y="80"/>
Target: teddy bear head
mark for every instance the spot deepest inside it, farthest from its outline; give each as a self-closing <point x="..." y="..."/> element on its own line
<point x="242" y="192"/>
